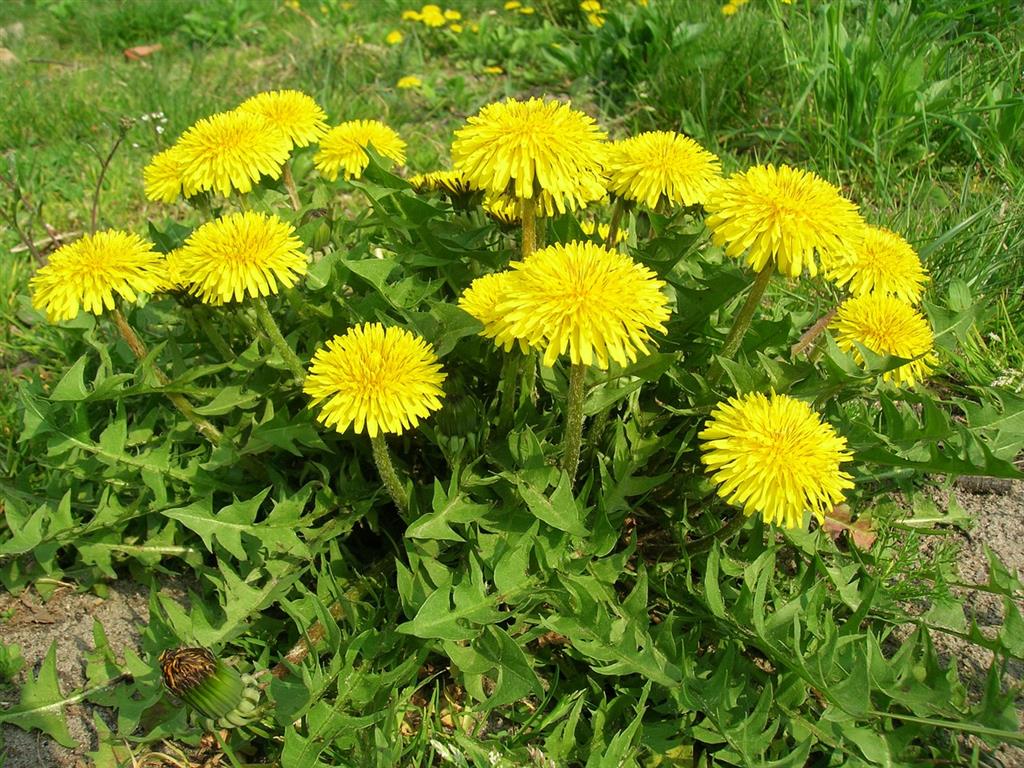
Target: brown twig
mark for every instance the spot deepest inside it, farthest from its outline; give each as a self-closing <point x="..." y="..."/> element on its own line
<point x="122" y="130"/>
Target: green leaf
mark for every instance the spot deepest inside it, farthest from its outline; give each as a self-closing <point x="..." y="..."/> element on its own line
<point x="559" y="510"/>
<point x="226" y="527"/>
<point x="71" y="387"/>
<point x="447" y="510"/>
<point x="42" y="704"/>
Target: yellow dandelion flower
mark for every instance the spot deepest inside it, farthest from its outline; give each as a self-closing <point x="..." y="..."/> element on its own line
<point x="782" y="215"/>
<point x="882" y="262"/>
<point x="174" y="281"/>
<point x="504" y="210"/>
<point x="494" y="70"/>
<point x="590" y="6"/>
<point x="582" y="298"/>
<point x="521" y="147"/>
<point x="394" y="37"/>
<point x="589" y="189"/>
<point x="602" y="230"/>
<point x="729" y="9"/>
<point x="660" y="164"/>
<point x="412" y="16"/>
<point x="775" y="457"/>
<point x="431" y="16"/>
<point x="595" y="19"/>
<point x="344" y="148"/>
<point x="512" y="5"/>
<point x="456" y="28"/>
<point x="887" y="326"/>
<point x="163" y="176"/>
<point x="481" y="300"/>
<point x="231" y="150"/>
<point x="527" y="11"/>
<point x="452" y="15"/>
<point x="452" y="182"/>
<point x="409" y="81"/>
<point x="377" y="379"/>
<point x="293" y="112"/>
<point x="239" y="255"/>
<point x="87" y="273"/>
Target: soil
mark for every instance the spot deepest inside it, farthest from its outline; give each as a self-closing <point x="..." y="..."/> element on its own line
<point x="997" y="509"/>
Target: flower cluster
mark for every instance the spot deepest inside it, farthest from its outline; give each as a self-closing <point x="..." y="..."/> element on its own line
<point x="435" y="17"/>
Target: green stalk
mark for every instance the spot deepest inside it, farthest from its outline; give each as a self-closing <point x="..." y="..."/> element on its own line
<point x="219" y="343"/>
<point x="289" y="184"/>
<point x="510" y="367"/>
<point x="204" y="427"/>
<point x="529" y="225"/>
<point x="574" y="420"/>
<point x="618" y="210"/>
<point x="382" y="458"/>
<point x="704" y="543"/>
<point x="277" y="339"/>
<point x="742" y="321"/>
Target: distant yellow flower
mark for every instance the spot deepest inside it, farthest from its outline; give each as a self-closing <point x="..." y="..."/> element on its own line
<point x="493" y="70"/>
<point x="512" y="5"/>
<point x="887" y="326"/>
<point x="481" y="300"/>
<point x="782" y="215"/>
<point x="87" y="273"/>
<point x="231" y="150"/>
<point x="239" y="255"/>
<point x="377" y="379"/>
<point x="292" y="112"/>
<point x="452" y="15"/>
<point x="660" y="164"/>
<point x="740" y="3"/>
<point x="597" y="305"/>
<point x="523" y="147"/>
<point x="883" y="262"/>
<point x="343" y="148"/>
<point x="590" y="6"/>
<point x="431" y="16"/>
<point x="412" y="16"/>
<point x="595" y="19"/>
<point x="409" y="81"/>
<point x="775" y="457"/>
<point x="729" y="9"/>
<point x="451" y="182"/>
<point x="163" y="176"/>
<point x="394" y="37"/>
<point x="456" y="28"/>
<point x="527" y="11"/>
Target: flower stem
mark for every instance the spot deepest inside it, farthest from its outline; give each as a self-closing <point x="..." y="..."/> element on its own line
<point x="613" y="227"/>
<point x="704" y="543"/>
<point x="529" y="225"/>
<point x="204" y="427"/>
<point x="277" y="339"/>
<point x="214" y="335"/>
<point x="382" y="458"/>
<point x="289" y="184"/>
<point x="574" y="420"/>
<point x="510" y="367"/>
<point x="812" y="333"/>
<point x="742" y="321"/>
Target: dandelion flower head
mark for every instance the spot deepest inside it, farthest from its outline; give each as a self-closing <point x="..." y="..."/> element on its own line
<point x="452" y="182"/>
<point x="408" y="82"/>
<point x="231" y="150"/>
<point x="782" y="215"/>
<point x="882" y="262"/>
<point x="394" y="37"/>
<point x="239" y="255"/>
<point x="377" y="379"/>
<point x="481" y="300"/>
<point x="598" y="305"/>
<point x="87" y="273"/>
<point x="887" y="326"/>
<point x="343" y="149"/>
<point x="521" y="147"/>
<point x="163" y="176"/>
<point x="775" y="457"/>
<point x="660" y="164"/>
<point x="293" y="112"/>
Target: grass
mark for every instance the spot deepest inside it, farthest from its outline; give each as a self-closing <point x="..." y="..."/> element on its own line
<point x="910" y="106"/>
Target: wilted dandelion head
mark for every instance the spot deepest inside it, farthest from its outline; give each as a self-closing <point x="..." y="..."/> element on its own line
<point x="343" y="149"/>
<point x="882" y="262"/>
<point x="522" y="147"/>
<point x="239" y="255"/>
<point x="661" y="164"/>
<point x="887" y="326"/>
<point x="377" y="379"/>
<point x="775" y="457"/>
<point x="87" y="273"/>
<point x="452" y="182"/>
<point x="231" y="150"/>
<point x="598" y="305"/>
<point x="782" y="215"/>
<point x="164" y="176"/>
<point x="294" y="113"/>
